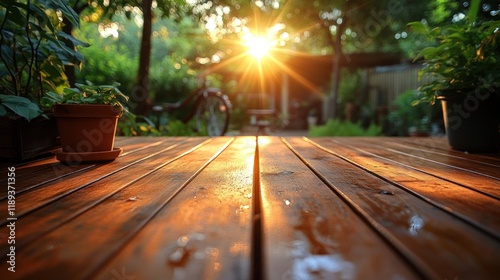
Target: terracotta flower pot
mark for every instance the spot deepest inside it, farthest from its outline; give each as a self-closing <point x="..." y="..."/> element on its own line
<point x="87" y="131"/>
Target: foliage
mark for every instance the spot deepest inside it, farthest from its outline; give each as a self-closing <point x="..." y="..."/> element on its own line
<point x="341" y="128"/>
<point x="109" y="59"/>
<point x="461" y="55"/>
<point x="143" y="126"/>
<point x="103" y="11"/>
<point x="350" y="86"/>
<point x="169" y="84"/>
<point x="87" y="94"/>
<point x="33" y="53"/>
<point x="106" y="62"/>
<point x="405" y="115"/>
<point x="175" y="48"/>
<point x="178" y="128"/>
<point x="129" y="125"/>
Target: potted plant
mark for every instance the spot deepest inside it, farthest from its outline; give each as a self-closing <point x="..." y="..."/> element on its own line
<point x="33" y="54"/>
<point x="87" y="117"/>
<point x="463" y="64"/>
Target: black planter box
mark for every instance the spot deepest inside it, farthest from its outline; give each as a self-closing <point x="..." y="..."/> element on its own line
<point x="21" y="140"/>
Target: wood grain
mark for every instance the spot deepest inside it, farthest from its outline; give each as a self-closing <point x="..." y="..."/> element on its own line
<point x="304" y="222"/>
<point x="259" y="208"/>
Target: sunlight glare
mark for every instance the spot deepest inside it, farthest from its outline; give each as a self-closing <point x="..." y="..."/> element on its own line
<point x="258" y="47"/>
<point x="263" y="141"/>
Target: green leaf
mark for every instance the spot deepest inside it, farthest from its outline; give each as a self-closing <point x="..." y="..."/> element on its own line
<point x="89" y="100"/>
<point x="46" y="102"/>
<point x="66" y="10"/>
<point x="41" y="16"/>
<point x="56" y="97"/>
<point x="21" y="106"/>
<point x="16" y="16"/>
<point x="3" y="110"/>
<point x="73" y="40"/>
<point x="473" y="10"/>
<point x="419" y="27"/>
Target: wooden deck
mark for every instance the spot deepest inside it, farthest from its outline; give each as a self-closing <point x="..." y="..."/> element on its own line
<point x="276" y="208"/>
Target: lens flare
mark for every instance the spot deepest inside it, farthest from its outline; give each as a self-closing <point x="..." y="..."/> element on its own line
<point x="258" y="47"/>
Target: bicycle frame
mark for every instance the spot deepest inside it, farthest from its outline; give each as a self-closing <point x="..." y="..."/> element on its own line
<point x="193" y="101"/>
<point x="199" y="95"/>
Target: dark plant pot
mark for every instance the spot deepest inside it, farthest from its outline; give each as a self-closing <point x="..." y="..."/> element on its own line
<point x="86" y="128"/>
<point x="22" y="140"/>
<point x="472" y="120"/>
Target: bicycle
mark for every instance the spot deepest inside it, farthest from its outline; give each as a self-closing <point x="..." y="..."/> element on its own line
<point x="210" y="107"/>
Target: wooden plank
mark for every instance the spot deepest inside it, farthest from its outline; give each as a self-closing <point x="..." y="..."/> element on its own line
<point x="461" y="172"/>
<point x="479" y="209"/>
<point x="45" y="219"/>
<point x="447" y="245"/>
<point x="42" y="194"/>
<point x="365" y="208"/>
<point x="83" y="243"/>
<point x="47" y="170"/>
<point x="309" y="232"/>
<point x="202" y="233"/>
<point x="440" y="145"/>
<point x="430" y="157"/>
<point x="122" y="142"/>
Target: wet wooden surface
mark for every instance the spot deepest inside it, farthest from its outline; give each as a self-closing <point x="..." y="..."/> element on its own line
<point x="238" y="208"/>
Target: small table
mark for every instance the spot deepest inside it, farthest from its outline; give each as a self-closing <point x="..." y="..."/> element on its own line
<point x="261" y="118"/>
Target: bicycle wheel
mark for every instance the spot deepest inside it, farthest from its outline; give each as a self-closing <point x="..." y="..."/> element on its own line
<point x="212" y="115"/>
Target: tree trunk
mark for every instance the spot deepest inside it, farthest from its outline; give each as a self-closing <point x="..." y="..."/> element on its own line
<point x="141" y="93"/>
<point x="337" y="55"/>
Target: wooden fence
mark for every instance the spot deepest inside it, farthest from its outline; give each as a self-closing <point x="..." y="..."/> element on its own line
<point x="388" y="82"/>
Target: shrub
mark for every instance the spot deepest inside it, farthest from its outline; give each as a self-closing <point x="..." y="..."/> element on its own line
<point x="178" y="128"/>
<point x="107" y="64"/>
<point x="342" y="128"/>
<point x="407" y="114"/>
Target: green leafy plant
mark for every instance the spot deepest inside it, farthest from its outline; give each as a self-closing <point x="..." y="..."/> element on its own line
<point x="461" y="55"/>
<point x="406" y="115"/>
<point x="341" y="128"/>
<point x="131" y="126"/>
<point x="350" y="87"/>
<point x="179" y="128"/>
<point x="33" y="53"/>
<point x="87" y="94"/>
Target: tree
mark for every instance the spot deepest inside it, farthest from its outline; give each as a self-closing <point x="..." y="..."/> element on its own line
<point x="144" y="59"/>
<point x="169" y="8"/>
<point x="321" y="26"/>
<point x="107" y="9"/>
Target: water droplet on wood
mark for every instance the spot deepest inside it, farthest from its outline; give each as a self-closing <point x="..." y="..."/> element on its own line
<point x="386" y="192"/>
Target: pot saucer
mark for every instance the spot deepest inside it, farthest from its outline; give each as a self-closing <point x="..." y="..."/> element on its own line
<point x="76" y="158"/>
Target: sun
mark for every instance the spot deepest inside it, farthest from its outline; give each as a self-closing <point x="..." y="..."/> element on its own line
<point x="258" y="47"/>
